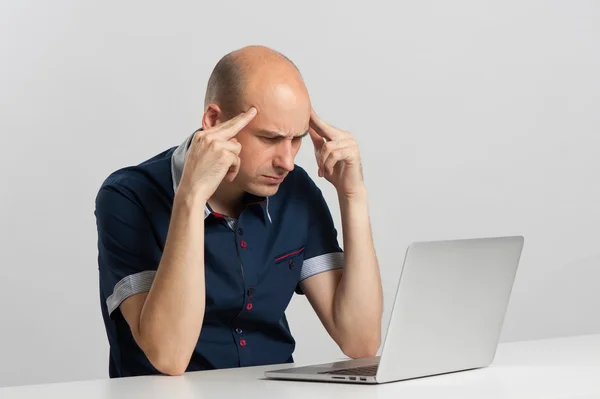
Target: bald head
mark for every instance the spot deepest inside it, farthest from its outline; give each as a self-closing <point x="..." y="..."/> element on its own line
<point x="247" y="76"/>
<point x="260" y="77"/>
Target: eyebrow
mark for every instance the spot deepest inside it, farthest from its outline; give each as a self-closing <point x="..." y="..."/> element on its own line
<point x="272" y="133"/>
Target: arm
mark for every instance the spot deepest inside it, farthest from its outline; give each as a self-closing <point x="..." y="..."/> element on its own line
<point x="350" y="303"/>
<point x="166" y="321"/>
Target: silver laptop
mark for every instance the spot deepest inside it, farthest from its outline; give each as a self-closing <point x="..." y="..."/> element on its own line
<point x="447" y="314"/>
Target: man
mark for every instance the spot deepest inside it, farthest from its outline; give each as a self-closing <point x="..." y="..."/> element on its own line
<point x="202" y="246"/>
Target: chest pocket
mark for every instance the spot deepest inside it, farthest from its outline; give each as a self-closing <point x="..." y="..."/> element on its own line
<point x="291" y="260"/>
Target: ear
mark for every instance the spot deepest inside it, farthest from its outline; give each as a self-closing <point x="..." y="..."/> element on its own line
<point x="212" y="116"/>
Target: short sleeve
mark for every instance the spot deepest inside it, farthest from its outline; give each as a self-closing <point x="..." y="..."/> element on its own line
<point x="322" y="251"/>
<point x="128" y="254"/>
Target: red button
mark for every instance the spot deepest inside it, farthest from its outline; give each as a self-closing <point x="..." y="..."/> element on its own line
<point x="242" y="342"/>
<point x="243" y="244"/>
<point x="249" y="306"/>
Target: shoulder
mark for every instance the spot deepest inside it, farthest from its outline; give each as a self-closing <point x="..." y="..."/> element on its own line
<point x="143" y="185"/>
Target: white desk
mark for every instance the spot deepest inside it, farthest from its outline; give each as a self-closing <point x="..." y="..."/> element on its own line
<point x="553" y="368"/>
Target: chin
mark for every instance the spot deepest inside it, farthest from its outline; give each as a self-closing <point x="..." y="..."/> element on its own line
<point x="262" y="190"/>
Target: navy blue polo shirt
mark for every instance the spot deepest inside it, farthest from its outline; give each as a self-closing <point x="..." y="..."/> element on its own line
<point x="253" y="265"/>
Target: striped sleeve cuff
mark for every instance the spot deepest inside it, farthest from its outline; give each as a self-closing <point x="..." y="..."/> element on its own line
<point x="321" y="263"/>
<point x="133" y="284"/>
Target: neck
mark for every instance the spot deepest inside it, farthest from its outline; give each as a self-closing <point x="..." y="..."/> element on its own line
<point x="227" y="200"/>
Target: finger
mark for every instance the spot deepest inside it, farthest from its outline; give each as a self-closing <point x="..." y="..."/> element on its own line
<point x="338" y="150"/>
<point x="214" y="144"/>
<point x="330" y="162"/>
<point x="318" y="126"/>
<point x="331" y="146"/>
<point x="323" y="128"/>
<point x="317" y="140"/>
<point x="234" y="146"/>
<point x="233" y="126"/>
<point x="334" y="158"/>
<point x="233" y="169"/>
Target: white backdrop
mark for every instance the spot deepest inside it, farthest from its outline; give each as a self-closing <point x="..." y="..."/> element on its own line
<point x="474" y="119"/>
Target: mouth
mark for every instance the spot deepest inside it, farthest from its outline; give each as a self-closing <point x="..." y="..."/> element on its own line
<point x="274" y="179"/>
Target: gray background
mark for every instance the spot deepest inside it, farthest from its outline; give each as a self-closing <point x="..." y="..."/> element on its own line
<point x="474" y="118"/>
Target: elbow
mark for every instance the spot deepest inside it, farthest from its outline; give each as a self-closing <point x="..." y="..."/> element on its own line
<point x="170" y="369"/>
<point x="164" y="358"/>
<point x="358" y="349"/>
<point x="168" y="363"/>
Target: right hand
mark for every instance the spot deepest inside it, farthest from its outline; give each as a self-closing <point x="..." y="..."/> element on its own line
<point x="214" y="155"/>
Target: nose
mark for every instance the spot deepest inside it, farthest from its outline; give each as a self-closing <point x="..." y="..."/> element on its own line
<point x="284" y="156"/>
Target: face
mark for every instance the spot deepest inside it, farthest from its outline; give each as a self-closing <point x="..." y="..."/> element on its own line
<point x="272" y="139"/>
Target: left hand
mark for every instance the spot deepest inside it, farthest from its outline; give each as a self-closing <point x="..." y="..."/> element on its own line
<point x="337" y="156"/>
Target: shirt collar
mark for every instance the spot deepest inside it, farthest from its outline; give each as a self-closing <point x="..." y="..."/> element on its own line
<point x="177" y="163"/>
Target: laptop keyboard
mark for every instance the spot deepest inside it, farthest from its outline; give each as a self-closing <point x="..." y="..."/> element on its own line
<point x="366" y="371"/>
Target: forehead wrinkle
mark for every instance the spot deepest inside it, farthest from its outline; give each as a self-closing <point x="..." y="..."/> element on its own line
<point x="283" y="135"/>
